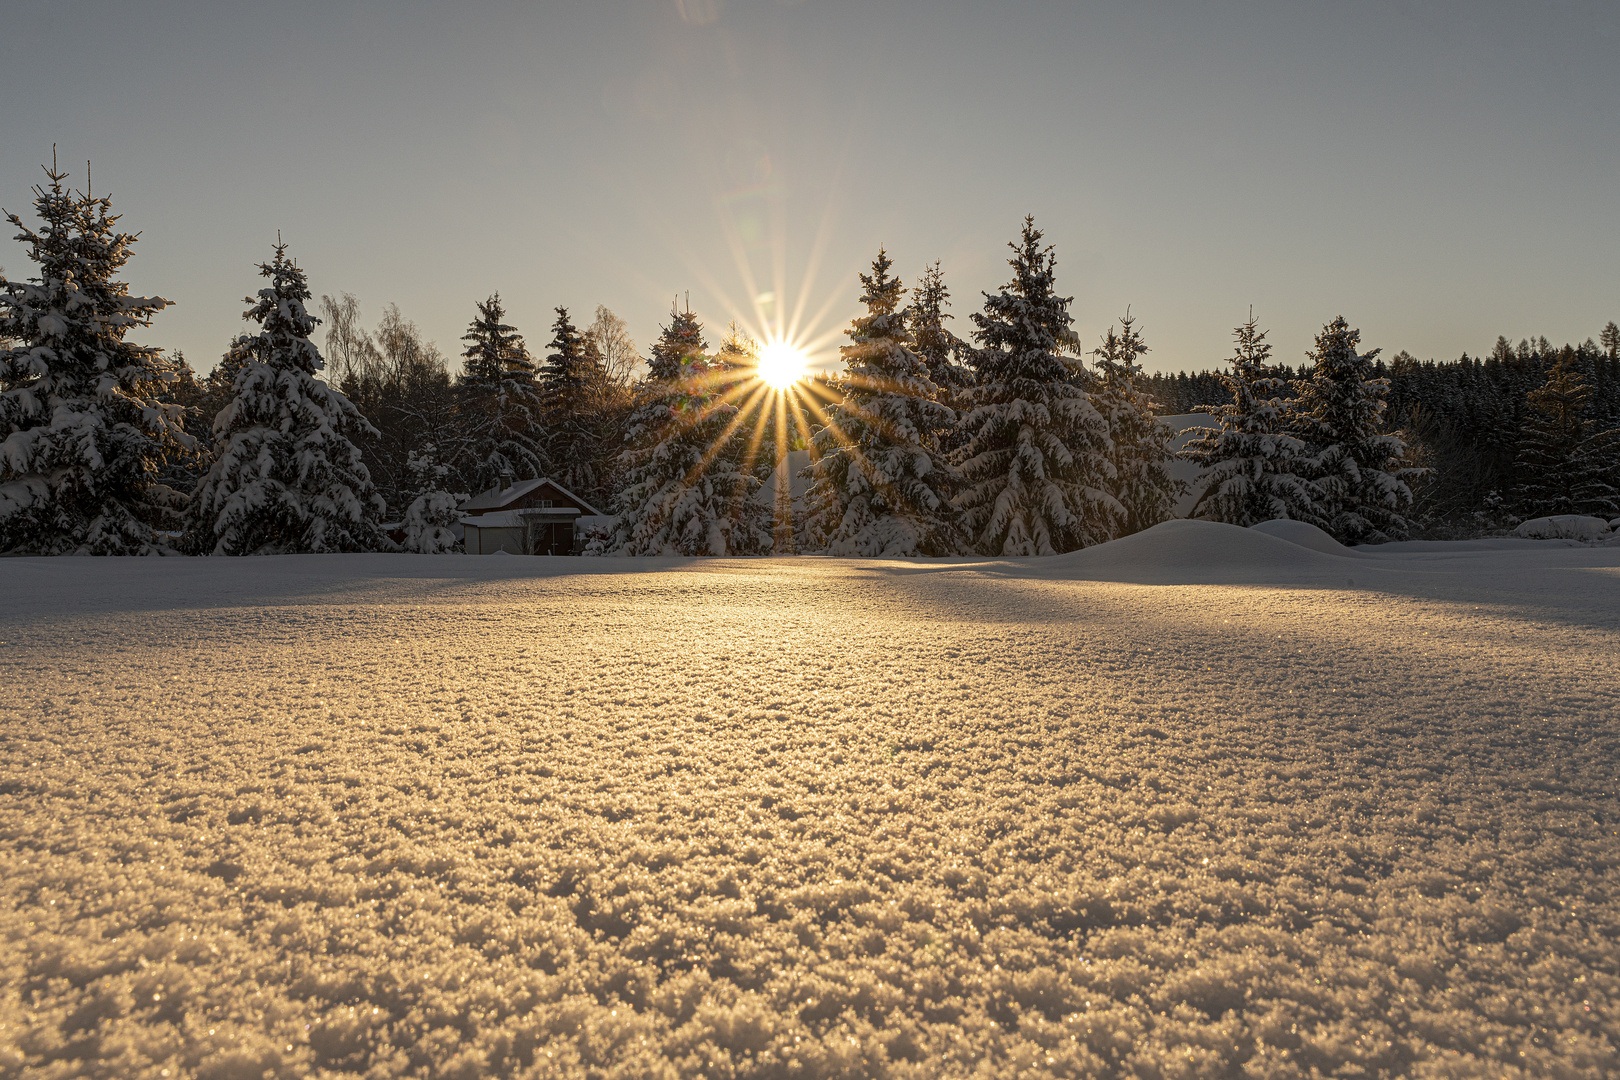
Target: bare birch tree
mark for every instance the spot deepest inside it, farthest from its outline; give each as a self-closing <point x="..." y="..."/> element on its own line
<point x="614" y="345"/>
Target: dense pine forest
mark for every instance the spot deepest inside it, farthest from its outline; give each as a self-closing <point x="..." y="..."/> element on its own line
<point x="1464" y="418"/>
<point x="314" y="432"/>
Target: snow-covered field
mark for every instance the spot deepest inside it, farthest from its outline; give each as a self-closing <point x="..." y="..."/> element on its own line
<point x="1202" y="802"/>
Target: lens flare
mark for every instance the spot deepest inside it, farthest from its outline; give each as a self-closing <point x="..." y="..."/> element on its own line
<point x="781" y="364"/>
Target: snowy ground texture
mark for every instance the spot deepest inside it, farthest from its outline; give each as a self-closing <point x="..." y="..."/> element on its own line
<point x="1202" y="802"/>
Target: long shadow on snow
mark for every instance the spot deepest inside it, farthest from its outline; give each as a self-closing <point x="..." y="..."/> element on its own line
<point x="1542" y="581"/>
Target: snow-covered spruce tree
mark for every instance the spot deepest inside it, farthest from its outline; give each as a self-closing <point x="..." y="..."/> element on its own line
<point x="431" y="517"/>
<point x="931" y="339"/>
<point x="498" y="405"/>
<point x="751" y="441"/>
<point x="1251" y="465"/>
<point x="569" y="384"/>
<point x="1035" y="464"/>
<point x="879" y="486"/>
<point x="430" y="523"/>
<point x="1563" y="464"/>
<point x="657" y="458"/>
<point x="681" y="479"/>
<point x="940" y="349"/>
<point x="1361" y="483"/>
<point x="182" y="466"/>
<point x="84" y="435"/>
<point x="284" y="475"/>
<point x="1139" y="443"/>
<point x="735" y="362"/>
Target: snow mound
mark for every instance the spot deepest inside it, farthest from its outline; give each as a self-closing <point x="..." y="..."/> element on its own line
<point x="1187" y="552"/>
<point x="1563" y="527"/>
<point x="1304" y="534"/>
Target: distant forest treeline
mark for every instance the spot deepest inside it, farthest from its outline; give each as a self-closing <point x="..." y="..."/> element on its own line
<point x="1463" y="417"/>
<point x="1015" y="439"/>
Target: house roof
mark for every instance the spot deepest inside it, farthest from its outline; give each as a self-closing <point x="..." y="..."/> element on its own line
<point x="516" y="519"/>
<point x="498" y="498"/>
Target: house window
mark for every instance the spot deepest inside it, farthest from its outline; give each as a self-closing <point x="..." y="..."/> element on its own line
<point x="545" y="504"/>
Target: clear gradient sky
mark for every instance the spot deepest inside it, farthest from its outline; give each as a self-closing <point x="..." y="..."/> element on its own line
<point x="1438" y="173"/>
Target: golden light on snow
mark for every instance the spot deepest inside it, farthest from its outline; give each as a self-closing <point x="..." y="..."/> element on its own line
<point x="781" y="364"/>
<point x="973" y="835"/>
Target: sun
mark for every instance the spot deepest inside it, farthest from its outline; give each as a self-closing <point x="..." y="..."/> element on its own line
<point x="781" y="364"/>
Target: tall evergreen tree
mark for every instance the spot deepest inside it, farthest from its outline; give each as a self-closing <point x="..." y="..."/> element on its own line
<point x="1139" y="443"/>
<point x="84" y="433"/>
<point x="1356" y="468"/>
<point x="1035" y="463"/>
<point x="682" y="478"/>
<point x="182" y="465"/>
<point x="931" y="339"/>
<point x="1251" y="465"/>
<point x="498" y="403"/>
<point x="679" y="348"/>
<point x="751" y="444"/>
<point x="284" y="476"/>
<point x="569" y="381"/>
<point x="1564" y="465"/>
<point x="1610" y="339"/>
<point x="879" y="484"/>
<point x="736" y="360"/>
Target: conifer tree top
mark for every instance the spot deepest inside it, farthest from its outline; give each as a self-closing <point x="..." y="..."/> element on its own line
<point x="1250" y="349"/>
<point x="1025" y="326"/>
<point x="494" y="347"/>
<point x="930" y="297"/>
<point x="1117" y="355"/>
<point x="926" y="320"/>
<point x="286" y="324"/>
<point x="74" y="301"/>
<point x="879" y="357"/>
<point x="738" y="350"/>
<point x="677" y="345"/>
<point x="1564" y="397"/>
<point x="565" y="336"/>
<point x="1251" y="376"/>
<point x="881" y="293"/>
<point x="1336" y="345"/>
<point x="564" y="368"/>
<point x="1337" y="403"/>
<point x="884" y="319"/>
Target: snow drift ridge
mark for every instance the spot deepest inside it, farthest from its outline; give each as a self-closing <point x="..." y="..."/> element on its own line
<point x="1185" y="552"/>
